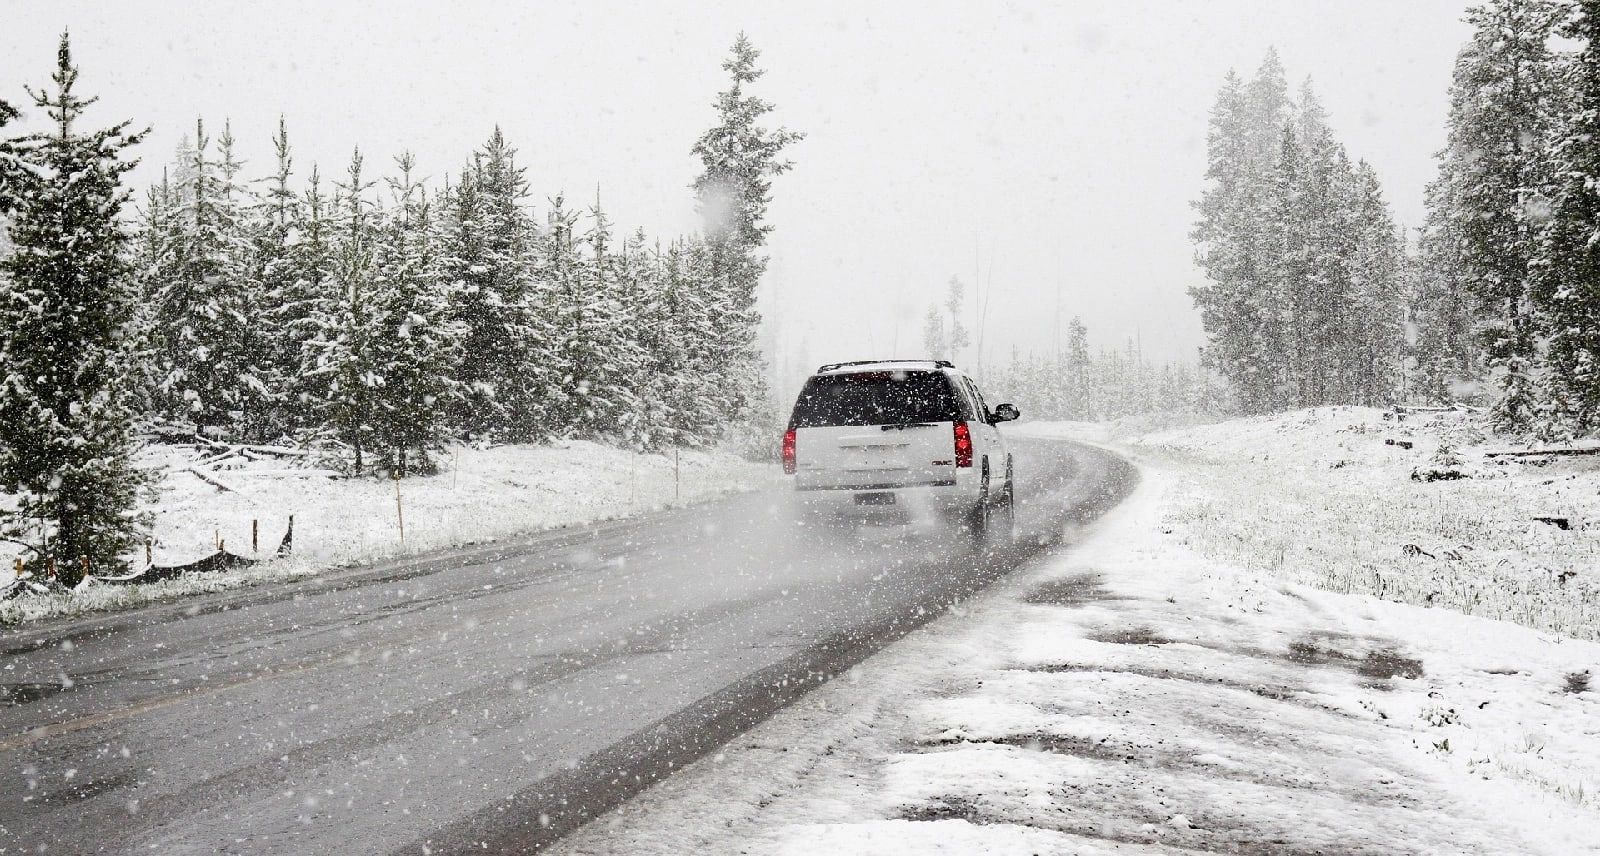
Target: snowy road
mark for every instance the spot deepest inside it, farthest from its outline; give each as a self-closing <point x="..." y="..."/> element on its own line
<point x="495" y="697"/>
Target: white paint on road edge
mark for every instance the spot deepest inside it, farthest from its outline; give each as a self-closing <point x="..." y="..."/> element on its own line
<point x="1128" y="696"/>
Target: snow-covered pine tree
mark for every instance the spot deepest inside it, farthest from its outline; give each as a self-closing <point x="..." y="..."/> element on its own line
<point x="66" y="305"/>
<point x="1283" y="339"/>
<point x="10" y="172"/>
<point x="739" y="157"/>
<point x="955" y="302"/>
<point x="572" y="349"/>
<point x="206" y="322"/>
<point x="935" y="338"/>
<point x="304" y="294"/>
<point x="151" y="240"/>
<point x="1374" y="333"/>
<point x="695" y="401"/>
<point x="341" y="365"/>
<point x="572" y="307"/>
<point x="488" y="254"/>
<point x="1238" y="303"/>
<point x="289" y="282"/>
<point x="1441" y="310"/>
<point x="1567" y="268"/>
<point x="1488" y="199"/>
<point x="415" y="346"/>
<point x="648" y="374"/>
<point x="258" y="391"/>
<point x="1299" y="256"/>
<point x="608" y="328"/>
<point x="1077" y="402"/>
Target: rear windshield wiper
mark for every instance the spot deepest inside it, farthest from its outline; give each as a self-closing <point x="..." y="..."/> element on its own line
<point x="904" y="425"/>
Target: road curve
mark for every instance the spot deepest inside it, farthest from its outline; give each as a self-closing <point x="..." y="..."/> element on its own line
<point x="489" y="698"/>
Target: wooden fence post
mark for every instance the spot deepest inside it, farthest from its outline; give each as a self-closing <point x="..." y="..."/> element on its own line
<point x="399" y="509"/>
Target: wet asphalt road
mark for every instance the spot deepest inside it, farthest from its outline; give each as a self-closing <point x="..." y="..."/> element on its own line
<point x="487" y="699"/>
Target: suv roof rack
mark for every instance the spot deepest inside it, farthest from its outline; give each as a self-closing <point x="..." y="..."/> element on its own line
<point x="828" y="367"/>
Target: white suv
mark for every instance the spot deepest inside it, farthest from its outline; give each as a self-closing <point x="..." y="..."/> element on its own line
<point x="913" y="437"/>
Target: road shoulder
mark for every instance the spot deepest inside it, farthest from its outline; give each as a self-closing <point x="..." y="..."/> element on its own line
<point x="1126" y="695"/>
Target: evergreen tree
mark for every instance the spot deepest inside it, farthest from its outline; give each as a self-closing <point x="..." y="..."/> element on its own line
<point x="209" y="354"/>
<point x="488" y="256"/>
<point x="1488" y="202"/>
<point x="1442" y="312"/>
<point x="1238" y="304"/>
<point x="151" y="240"/>
<point x="739" y="158"/>
<point x="1567" y="271"/>
<point x="642" y="287"/>
<point x="1373" y="333"/>
<point x="66" y="419"/>
<point x="694" y="401"/>
<point x="287" y="288"/>
<point x="1301" y="258"/>
<point x="342" y="364"/>
<point x="10" y="171"/>
<point x="610" y="328"/>
<point x="415" y="347"/>
<point x="935" y="339"/>
<point x="955" y="304"/>
<point x="1077" y="401"/>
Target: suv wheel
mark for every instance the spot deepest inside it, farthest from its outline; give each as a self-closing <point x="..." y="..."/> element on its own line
<point x="1004" y="530"/>
<point x="981" y="515"/>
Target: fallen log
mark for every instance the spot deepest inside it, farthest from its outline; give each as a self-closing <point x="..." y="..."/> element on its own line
<point x="290" y="473"/>
<point x="212" y="480"/>
<point x="1537" y="453"/>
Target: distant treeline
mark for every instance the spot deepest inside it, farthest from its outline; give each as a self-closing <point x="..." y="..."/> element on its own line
<point x="1074" y="383"/>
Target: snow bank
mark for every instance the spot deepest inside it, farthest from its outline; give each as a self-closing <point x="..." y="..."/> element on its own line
<point x="481" y="495"/>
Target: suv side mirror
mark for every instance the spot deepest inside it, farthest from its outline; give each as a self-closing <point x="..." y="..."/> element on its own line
<point x="1006" y="413"/>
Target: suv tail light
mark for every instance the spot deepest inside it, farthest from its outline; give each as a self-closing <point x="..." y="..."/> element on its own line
<point x="788" y="452"/>
<point x="963" y="445"/>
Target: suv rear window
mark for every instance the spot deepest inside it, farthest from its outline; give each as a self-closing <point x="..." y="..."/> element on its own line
<point x="875" y="398"/>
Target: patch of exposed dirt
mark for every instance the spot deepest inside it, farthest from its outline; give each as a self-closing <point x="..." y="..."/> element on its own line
<point x="1131" y="636"/>
<point x="1380" y="663"/>
<point x="946" y="808"/>
<point x="1276" y="692"/>
<point x="1076" y="590"/>
<point x="1154" y="756"/>
<point x="1206" y="835"/>
<point x="1577" y="682"/>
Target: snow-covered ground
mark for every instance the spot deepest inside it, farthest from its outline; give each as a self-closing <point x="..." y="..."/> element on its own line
<point x="481" y="495"/>
<point x="1131" y="695"/>
<point x="1324" y="497"/>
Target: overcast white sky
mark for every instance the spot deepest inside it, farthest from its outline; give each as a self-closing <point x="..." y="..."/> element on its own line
<point x="1053" y="147"/>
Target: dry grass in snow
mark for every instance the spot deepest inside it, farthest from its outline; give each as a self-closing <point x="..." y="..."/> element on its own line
<point x="1319" y="497"/>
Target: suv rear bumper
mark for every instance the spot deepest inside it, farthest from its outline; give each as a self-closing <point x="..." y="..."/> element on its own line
<point x="949" y="482"/>
<point x="893" y="501"/>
